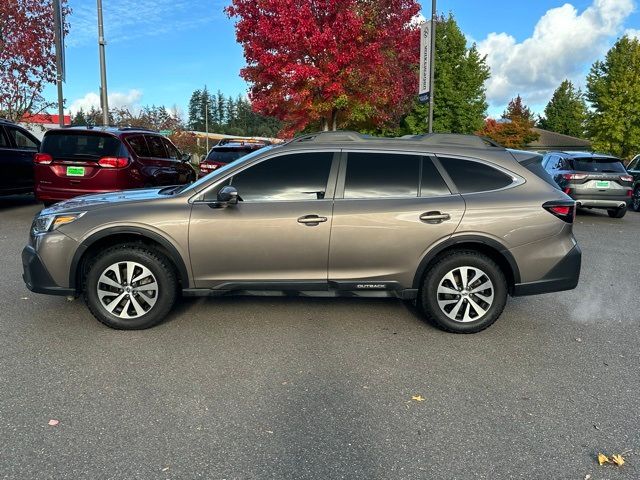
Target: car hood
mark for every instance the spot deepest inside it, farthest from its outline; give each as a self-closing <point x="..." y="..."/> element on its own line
<point x="91" y="202"/>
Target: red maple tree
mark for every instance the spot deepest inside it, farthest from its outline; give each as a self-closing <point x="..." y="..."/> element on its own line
<point x="27" y="55"/>
<point x="330" y="62"/>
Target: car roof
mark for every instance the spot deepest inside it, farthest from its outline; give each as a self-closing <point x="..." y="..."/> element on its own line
<point x="116" y="131"/>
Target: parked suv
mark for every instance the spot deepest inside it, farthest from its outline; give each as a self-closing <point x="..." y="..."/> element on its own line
<point x="634" y="170"/>
<point x="229" y="150"/>
<point x="17" y="148"/>
<point x="594" y="180"/>
<point x="83" y="160"/>
<point x="448" y="221"/>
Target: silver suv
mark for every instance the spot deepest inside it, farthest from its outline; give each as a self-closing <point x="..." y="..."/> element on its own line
<point x="450" y="222"/>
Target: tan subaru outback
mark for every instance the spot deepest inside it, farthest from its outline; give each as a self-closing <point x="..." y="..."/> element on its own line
<point x="451" y="222"/>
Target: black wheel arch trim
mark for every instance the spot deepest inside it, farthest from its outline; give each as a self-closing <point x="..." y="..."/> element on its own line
<point x="174" y="255"/>
<point x="466" y="239"/>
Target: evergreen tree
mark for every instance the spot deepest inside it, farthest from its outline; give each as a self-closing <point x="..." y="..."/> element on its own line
<point x="566" y="112"/>
<point x="614" y="93"/>
<point x="79" y="118"/>
<point x="221" y="108"/>
<point x="195" y="113"/>
<point x="515" y="129"/>
<point x="459" y="92"/>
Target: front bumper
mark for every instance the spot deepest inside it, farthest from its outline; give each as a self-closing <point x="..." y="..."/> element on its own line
<point x="563" y="276"/>
<point x="36" y="276"/>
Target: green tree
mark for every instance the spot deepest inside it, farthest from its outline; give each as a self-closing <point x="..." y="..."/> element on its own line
<point x="201" y="104"/>
<point x="566" y="112"/>
<point x="459" y="91"/>
<point x="515" y="130"/>
<point x="613" y="90"/>
<point x="79" y="118"/>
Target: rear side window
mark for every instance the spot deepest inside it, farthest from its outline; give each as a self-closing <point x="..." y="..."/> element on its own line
<point x="22" y="140"/>
<point x="156" y="147"/>
<point x="534" y="165"/>
<point x="470" y="176"/>
<point x="605" y="165"/>
<point x="90" y="146"/>
<point x="432" y="184"/>
<point x="139" y="146"/>
<point x="3" y="140"/>
<point x="379" y="175"/>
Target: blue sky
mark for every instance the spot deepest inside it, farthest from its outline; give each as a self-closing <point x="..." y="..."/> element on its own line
<point x="159" y="51"/>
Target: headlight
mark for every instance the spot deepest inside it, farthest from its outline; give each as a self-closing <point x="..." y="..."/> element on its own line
<point x="47" y="223"/>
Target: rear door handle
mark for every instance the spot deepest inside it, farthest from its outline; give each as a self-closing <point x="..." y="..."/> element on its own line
<point x="312" y="220"/>
<point x="434" y="217"/>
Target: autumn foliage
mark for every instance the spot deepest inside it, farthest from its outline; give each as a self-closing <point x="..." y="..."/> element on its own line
<point x="333" y="63"/>
<point x="515" y="130"/>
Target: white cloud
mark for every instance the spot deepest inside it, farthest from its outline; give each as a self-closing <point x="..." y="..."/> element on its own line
<point x="130" y="99"/>
<point x="632" y="33"/>
<point x="564" y="42"/>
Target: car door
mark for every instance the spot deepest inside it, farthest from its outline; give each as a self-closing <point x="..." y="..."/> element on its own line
<point x="19" y="158"/>
<point x="181" y="171"/>
<point x="390" y="208"/>
<point x="163" y="171"/>
<point x="278" y="235"/>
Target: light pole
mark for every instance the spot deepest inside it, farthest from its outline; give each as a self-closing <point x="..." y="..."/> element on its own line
<point x="432" y="62"/>
<point x="103" y="68"/>
<point x="59" y="32"/>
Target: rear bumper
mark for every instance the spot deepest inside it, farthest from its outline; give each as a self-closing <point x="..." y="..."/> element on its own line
<point x="36" y="276"/>
<point x="563" y="276"/>
<point x="603" y="201"/>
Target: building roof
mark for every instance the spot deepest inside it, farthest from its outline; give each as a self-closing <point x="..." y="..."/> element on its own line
<point x="45" y="119"/>
<point x="557" y="141"/>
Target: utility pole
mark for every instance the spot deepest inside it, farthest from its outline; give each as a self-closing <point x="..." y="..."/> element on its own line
<point x="58" y="32"/>
<point x="103" y="68"/>
<point x="206" y="119"/>
<point x="432" y="59"/>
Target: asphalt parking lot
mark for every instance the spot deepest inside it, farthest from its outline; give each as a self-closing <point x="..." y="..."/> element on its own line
<point x="281" y="388"/>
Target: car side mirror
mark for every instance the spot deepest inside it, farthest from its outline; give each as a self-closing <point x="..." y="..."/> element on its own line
<point x="228" y="195"/>
<point x="186" y="157"/>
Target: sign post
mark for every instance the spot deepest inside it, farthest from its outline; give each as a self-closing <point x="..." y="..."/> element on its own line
<point x="427" y="62"/>
<point x="58" y="21"/>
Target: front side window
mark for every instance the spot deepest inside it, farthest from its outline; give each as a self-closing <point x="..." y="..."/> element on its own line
<point x="470" y="176"/>
<point x="299" y="176"/>
<point x="21" y="140"/>
<point x="139" y="145"/>
<point x="3" y="140"/>
<point x="633" y="164"/>
<point x="432" y="184"/>
<point x="380" y="175"/>
<point x="173" y="152"/>
<point x="156" y="147"/>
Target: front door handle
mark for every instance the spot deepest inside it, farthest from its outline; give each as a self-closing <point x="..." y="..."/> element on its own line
<point x="312" y="220"/>
<point x="434" y="217"/>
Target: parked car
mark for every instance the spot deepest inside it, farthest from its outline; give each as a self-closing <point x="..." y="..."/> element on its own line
<point x="84" y="160"/>
<point x="593" y="180"/>
<point x="17" y="149"/>
<point x="229" y="150"/>
<point x="447" y="221"/>
<point x="634" y="170"/>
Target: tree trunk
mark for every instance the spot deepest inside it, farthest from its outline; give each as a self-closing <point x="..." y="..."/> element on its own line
<point x="334" y="120"/>
<point x="325" y="125"/>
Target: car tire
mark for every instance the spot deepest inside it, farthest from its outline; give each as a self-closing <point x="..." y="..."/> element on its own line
<point x="141" y="280"/>
<point x="617" y="212"/>
<point x="635" y="203"/>
<point x="468" y="311"/>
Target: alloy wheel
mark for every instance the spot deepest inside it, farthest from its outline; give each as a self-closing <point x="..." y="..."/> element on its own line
<point x="127" y="290"/>
<point x="465" y="294"/>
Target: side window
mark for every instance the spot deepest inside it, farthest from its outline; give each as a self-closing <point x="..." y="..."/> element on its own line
<point x="563" y="164"/>
<point x="173" y="152"/>
<point x="470" y="176"/>
<point x="156" y="146"/>
<point x="139" y="145"/>
<point x="4" y="141"/>
<point x="379" y="175"/>
<point x="432" y="184"/>
<point x="22" y="140"/>
<point x="633" y="164"/>
<point x="299" y="176"/>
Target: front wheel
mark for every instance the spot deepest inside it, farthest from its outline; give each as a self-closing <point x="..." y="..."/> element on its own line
<point x="617" y="212"/>
<point x="130" y="287"/>
<point x="464" y="292"/>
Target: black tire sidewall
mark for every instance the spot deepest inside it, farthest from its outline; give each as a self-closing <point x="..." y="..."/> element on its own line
<point x="636" y="194"/>
<point x="165" y="277"/>
<point x="617" y="212"/>
<point x="428" y="292"/>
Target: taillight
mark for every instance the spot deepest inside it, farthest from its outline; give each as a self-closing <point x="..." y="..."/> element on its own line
<point x="574" y="176"/>
<point x="113" y="162"/>
<point x="42" y="158"/>
<point x="567" y="191"/>
<point x="629" y="193"/>
<point x="626" y="178"/>
<point x="563" y="210"/>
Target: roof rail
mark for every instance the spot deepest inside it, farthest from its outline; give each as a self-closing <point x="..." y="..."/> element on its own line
<point x="456" y="139"/>
<point x="322" y="137"/>
<point x="144" y="129"/>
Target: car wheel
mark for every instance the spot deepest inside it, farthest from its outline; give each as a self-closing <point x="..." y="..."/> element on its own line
<point x="635" y="203"/>
<point x="464" y="292"/>
<point x="130" y="287"/>
<point x="617" y="212"/>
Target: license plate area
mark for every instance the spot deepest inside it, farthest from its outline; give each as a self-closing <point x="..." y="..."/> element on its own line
<point x="75" y="171"/>
<point x="603" y="184"/>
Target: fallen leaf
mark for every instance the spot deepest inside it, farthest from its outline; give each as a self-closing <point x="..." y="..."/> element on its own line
<point x="418" y="398"/>
<point x="53" y="423"/>
<point x="587" y="477"/>
<point x="602" y="459"/>
<point x="618" y="460"/>
<point x="165" y="469"/>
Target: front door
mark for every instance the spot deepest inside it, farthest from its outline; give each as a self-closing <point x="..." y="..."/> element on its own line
<point x="277" y="235"/>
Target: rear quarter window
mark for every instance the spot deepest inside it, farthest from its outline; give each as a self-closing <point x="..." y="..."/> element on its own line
<point x="68" y="144"/>
<point x="470" y="176"/>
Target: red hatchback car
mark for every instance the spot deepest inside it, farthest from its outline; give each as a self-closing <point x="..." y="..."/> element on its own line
<point x="85" y="160"/>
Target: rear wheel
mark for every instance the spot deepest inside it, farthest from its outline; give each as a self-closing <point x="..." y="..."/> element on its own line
<point x="464" y="292"/>
<point x="130" y="287"/>
<point x="617" y="212"/>
<point x="635" y="204"/>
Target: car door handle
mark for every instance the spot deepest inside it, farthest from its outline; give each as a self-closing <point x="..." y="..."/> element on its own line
<point x="434" y="217"/>
<point x="312" y="220"/>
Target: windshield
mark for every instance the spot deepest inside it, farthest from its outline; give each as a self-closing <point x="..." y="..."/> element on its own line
<point x="220" y="171"/>
<point x="226" y="156"/>
<point x="605" y="165"/>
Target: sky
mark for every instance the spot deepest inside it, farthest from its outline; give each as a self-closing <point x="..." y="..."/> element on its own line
<point x="159" y="51"/>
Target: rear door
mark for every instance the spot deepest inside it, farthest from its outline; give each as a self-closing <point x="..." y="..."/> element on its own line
<point x="390" y="208"/>
<point x="19" y="158"/>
